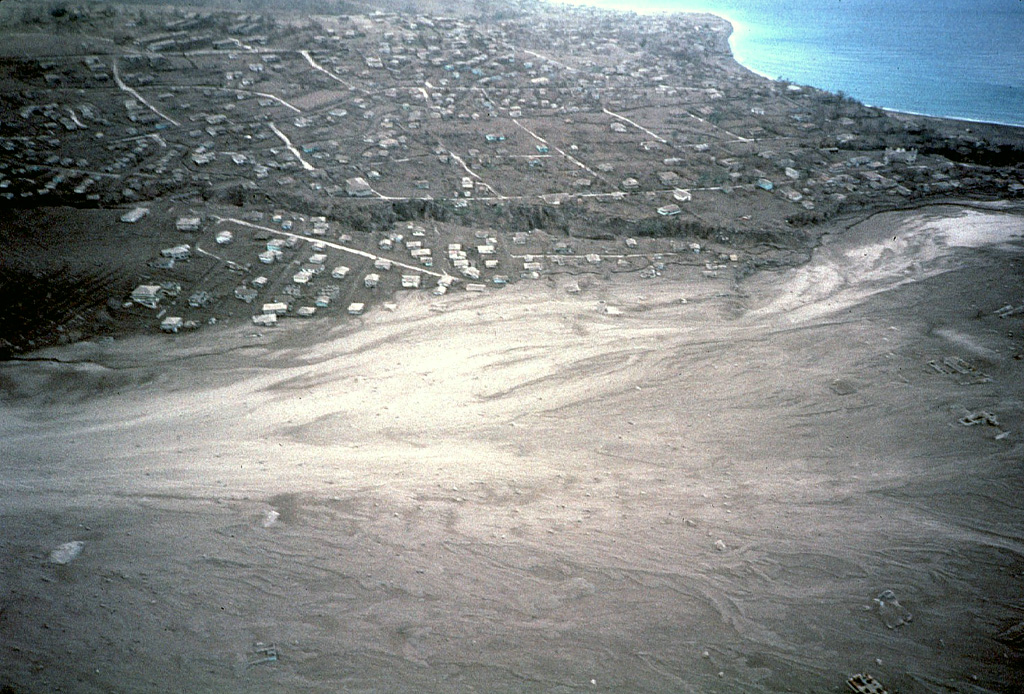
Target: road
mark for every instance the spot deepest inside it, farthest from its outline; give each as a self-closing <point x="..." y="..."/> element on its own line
<point x="125" y="88"/>
<point x="636" y="125"/>
<point x="330" y="244"/>
<point x="317" y="66"/>
<point x="288" y="143"/>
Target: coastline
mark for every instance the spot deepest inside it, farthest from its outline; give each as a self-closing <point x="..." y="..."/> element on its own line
<point x="975" y="121"/>
<point x="739" y="30"/>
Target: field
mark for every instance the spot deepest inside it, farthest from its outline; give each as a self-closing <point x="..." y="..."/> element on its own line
<point x="526" y="492"/>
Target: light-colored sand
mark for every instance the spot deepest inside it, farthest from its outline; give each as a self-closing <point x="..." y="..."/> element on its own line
<point x="517" y="493"/>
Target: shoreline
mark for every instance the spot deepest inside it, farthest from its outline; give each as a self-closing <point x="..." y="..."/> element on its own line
<point x="976" y="121"/>
<point x="738" y="28"/>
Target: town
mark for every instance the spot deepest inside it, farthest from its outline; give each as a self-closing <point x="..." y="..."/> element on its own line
<point x="276" y="165"/>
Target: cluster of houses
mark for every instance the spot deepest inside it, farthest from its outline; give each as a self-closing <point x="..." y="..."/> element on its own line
<point x="474" y="79"/>
<point x="384" y="107"/>
<point x="295" y="268"/>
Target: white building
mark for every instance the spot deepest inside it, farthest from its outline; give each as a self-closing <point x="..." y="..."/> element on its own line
<point x="265" y="319"/>
<point x="172" y="324"/>
<point x="134" y="215"/>
<point x="276" y="307"/>
<point x="182" y="252"/>
<point x="148" y="295"/>
<point x="189" y="223"/>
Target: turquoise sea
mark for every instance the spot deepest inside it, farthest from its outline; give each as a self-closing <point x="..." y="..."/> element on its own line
<point x="953" y="58"/>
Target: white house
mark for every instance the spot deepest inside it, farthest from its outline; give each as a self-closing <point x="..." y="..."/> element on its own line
<point x="181" y="252"/>
<point x="189" y="223"/>
<point x="148" y="295"/>
<point x="265" y="319"/>
<point x="172" y="324"/>
<point x="134" y="215"/>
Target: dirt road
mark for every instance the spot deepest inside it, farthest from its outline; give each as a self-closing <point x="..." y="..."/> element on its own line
<point x="517" y="492"/>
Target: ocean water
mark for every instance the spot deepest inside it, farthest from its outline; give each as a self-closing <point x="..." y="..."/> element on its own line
<point x="952" y="58"/>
